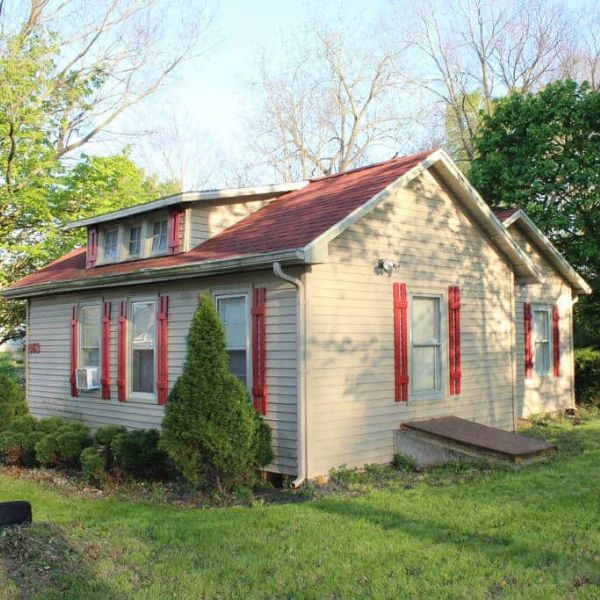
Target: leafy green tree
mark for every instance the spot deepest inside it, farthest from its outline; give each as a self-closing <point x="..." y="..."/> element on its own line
<point x="210" y="430"/>
<point x="541" y="152"/>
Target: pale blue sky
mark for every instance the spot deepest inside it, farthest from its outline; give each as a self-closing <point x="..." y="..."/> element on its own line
<point x="209" y="96"/>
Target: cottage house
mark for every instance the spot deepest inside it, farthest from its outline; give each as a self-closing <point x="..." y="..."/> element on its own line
<point x="351" y="303"/>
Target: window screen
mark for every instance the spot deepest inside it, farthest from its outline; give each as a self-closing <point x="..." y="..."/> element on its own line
<point x="426" y="344"/>
<point x="143" y="336"/>
<point x="233" y="314"/>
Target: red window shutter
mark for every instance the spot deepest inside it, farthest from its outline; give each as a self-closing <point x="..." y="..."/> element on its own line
<point x="105" y="362"/>
<point x="174" y="229"/>
<point x="556" y="340"/>
<point x="162" y="379"/>
<point x="122" y="353"/>
<point x="92" y="247"/>
<point x="400" y="342"/>
<point x="74" y="350"/>
<point x="259" y="349"/>
<point x="454" y="339"/>
<point x="528" y="345"/>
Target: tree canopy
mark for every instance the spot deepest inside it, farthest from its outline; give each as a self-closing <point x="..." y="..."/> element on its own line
<point x="541" y="152"/>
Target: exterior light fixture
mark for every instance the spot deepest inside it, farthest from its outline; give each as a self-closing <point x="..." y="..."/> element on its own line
<point x="385" y="264"/>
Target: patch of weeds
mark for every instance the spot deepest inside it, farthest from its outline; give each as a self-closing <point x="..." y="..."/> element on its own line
<point x="405" y="463"/>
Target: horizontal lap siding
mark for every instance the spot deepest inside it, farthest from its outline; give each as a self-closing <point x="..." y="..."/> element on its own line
<point x="207" y="220"/>
<point x="352" y="412"/>
<point x="546" y="393"/>
<point x="49" y="390"/>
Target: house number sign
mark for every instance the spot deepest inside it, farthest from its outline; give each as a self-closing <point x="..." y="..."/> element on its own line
<point x="34" y="348"/>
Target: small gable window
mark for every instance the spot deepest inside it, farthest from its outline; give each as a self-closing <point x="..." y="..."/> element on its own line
<point x="135" y="241"/>
<point x="159" y="236"/>
<point x="111" y="238"/>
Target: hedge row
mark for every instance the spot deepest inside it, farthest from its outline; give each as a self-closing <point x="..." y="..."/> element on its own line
<point x="53" y="442"/>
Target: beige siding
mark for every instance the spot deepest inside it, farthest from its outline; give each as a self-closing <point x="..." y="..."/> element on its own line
<point x="49" y="322"/>
<point x="352" y="413"/>
<point x="208" y="220"/>
<point x="542" y="394"/>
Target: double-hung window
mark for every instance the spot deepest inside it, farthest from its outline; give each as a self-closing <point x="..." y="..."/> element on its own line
<point x="90" y="336"/>
<point x="541" y="340"/>
<point x="143" y="344"/>
<point x="111" y="238"/>
<point x="426" y="350"/>
<point x="233" y="312"/>
<point x="159" y="236"/>
<point x="135" y="241"/>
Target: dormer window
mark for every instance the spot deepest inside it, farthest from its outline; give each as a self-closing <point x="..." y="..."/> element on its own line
<point x="135" y="241"/>
<point x="111" y="238"/>
<point x="159" y="236"/>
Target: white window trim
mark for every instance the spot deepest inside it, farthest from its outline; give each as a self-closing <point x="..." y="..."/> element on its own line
<point x="80" y="364"/>
<point x="127" y="239"/>
<point x="151" y="223"/>
<point x="548" y="310"/>
<point x="428" y="394"/>
<point x="140" y="396"/>
<point x="236" y="293"/>
<point x="103" y="245"/>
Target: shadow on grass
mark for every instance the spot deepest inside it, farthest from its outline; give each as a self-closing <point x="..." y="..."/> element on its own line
<point x="39" y="561"/>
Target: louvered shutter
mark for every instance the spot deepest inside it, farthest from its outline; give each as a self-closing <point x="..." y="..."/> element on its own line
<point x="174" y="230"/>
<point x="528" y="342"/>
<point x="400" y="342"/>
<point x="122" y="353"/>
<point x="105" y="362"/>
<point x="74" y="350"/>
<point x="259" y="349"/>
<point x="454" y="339"/>
<point x="162" y="379"/>
<point x="92" y="247"/>
<point x="556" y="340"/>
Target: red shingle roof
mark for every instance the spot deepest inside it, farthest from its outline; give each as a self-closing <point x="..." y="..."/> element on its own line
<point x="289" y="222"/>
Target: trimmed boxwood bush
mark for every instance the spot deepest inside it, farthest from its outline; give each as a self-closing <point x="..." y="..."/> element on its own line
<point x="62" y="447"/>
<point x="587" y="376"/>
<point x="211" y="430"/>
<point x="137" y="453"/>
<point x="12" y="401"/>
<point x="17" y="442"/>
<point x="104" y="438"/>
<point x="92" y="465"/>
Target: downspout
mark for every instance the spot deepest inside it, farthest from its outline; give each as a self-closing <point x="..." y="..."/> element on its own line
<point x="302" y="413"/>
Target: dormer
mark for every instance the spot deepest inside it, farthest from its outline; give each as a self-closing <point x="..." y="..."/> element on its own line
<point x="172" y="225"/>
<point x="143" y="235"/>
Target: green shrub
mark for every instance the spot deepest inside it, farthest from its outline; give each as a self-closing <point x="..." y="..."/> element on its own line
<point x="105" y="435"/>
<point x="104" y="438"/>
<point x="137" y="453"/>
<point x="12" y="401"/>
<point x="62" y="447"/>
<point x="210" y="429"/>
<point x="587" y="376"/>
<point x="51" y="424"/>
<point x="404" y="463"/>
<point x="18" y="447"/>
<point x="92" y="465"/>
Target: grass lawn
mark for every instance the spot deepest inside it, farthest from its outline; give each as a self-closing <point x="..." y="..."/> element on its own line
<point x="529" y="533"/>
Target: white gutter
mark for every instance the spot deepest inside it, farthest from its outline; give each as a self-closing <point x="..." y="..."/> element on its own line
<point x="302" y="412"/>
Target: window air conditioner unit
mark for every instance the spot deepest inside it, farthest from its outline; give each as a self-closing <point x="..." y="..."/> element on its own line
<point x="87" y="379"/>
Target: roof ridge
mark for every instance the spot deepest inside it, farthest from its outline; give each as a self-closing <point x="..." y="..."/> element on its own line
<point x="398" y="159"/>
